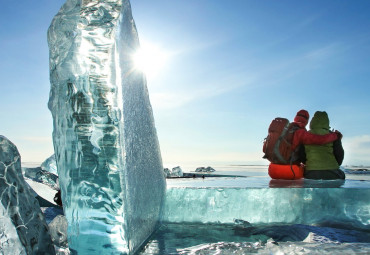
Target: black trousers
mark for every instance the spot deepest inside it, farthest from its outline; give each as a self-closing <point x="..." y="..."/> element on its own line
<point x="325" y="174"/>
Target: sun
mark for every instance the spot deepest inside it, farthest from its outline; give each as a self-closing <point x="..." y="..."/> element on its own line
<point x="150" y="59"/>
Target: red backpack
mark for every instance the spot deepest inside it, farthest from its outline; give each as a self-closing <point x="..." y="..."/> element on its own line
<point x="277" y="146"/>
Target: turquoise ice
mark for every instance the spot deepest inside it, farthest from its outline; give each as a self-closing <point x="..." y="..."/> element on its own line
<point x="255" y="198"/>
<point x="105" y="141"/>
<point x="23" y="229"/>
<point x="268" y="205"/>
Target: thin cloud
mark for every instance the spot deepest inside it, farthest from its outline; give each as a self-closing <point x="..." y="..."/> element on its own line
<point x="170" y="100"/>
<point x="271" y="73"/>
<point x="294" y="31"/>
<point x="323" y="53"/>
<point x="283" y="68"/>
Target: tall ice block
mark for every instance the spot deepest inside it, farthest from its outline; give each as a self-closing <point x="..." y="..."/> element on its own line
<point x="105" y="141"/>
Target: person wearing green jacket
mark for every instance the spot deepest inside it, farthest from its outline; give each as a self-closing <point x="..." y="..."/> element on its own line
<point x="323" y="161"/>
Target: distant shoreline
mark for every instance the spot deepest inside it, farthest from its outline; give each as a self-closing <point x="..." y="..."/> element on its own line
<point x="350" y="167"/>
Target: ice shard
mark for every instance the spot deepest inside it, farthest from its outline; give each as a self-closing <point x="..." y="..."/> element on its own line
<point x="50" y="165"/>
<point x="105" y="141"/>
<point x="23" y="229"/>
<point x="10" y="243"/>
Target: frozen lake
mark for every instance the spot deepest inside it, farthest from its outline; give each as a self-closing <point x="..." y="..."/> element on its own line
<point x="238" y="209"/>
<point x="251" y="213"/>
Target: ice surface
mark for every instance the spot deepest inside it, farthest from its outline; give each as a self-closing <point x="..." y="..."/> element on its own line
<point x="302" y="216"/>
<point x="44" y="191"/>
<point x="268" y="205"/>
<point x="50" y="165"/>
<point x="230" y="239"/>
<point x="271" y="247"/>
<point x="19" y="207"/>
<point x="106" y="146"/>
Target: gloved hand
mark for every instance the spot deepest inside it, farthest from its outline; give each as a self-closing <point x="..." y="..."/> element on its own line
<point x="339" y="134"/>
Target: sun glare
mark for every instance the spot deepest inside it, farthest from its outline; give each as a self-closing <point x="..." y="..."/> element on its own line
<point x="150" y="59"/>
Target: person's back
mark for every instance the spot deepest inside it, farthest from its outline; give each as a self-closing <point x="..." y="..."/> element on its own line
<point x="321" y="161"/>
<point x="303" y="137"/>
<point x="300" y="136"/>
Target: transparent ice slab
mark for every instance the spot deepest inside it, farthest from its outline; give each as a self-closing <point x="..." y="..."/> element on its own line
<point x="106" y="146"/>
<point x="221" y="200"/>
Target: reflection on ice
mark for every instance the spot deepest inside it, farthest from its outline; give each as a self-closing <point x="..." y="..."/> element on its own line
<point x="261" y="239"/>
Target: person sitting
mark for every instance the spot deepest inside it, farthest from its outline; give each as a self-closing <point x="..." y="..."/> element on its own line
<point x="323" y="161"/>
<point x="295" y="170"/>
<point x="303" y="137"/>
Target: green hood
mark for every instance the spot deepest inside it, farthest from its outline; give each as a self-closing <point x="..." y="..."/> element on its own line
<point x="320" y="123"/>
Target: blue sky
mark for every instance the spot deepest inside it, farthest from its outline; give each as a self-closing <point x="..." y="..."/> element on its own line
<point x="230" y="68"/>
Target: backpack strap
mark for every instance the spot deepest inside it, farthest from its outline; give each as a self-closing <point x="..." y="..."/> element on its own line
<point x="293" y="156"/>
<point x="277" y="145"/>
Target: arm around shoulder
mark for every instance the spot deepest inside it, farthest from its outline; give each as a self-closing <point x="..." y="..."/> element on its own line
<point x="309" y="138"/>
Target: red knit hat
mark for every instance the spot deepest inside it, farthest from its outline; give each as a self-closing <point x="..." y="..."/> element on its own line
<point x="302" y="117"/>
